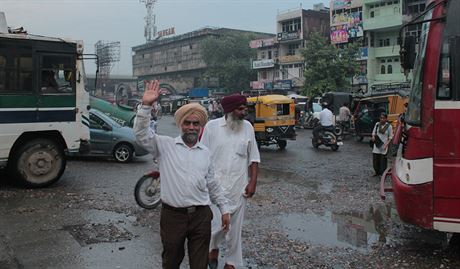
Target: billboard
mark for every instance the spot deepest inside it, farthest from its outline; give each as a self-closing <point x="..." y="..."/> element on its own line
<point x="339" y="34"/>
<point x="341" y="4"/>
<point x="264" y="63"/>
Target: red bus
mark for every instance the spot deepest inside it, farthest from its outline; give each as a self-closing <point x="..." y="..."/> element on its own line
<point x="425" y="176"/>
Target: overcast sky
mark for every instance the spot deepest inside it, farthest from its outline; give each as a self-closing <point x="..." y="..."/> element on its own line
<point x="123" y="20"/>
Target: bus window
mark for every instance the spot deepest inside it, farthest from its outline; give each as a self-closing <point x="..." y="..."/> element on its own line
<point x="16" y="73"/>
<point x="57" y="74"/>
<point x="444" y="89"/>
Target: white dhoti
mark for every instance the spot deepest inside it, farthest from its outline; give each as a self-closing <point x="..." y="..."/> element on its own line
<point x="234" y="253"/>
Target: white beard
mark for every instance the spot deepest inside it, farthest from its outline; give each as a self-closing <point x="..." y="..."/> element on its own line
<point x="234" y="124"/>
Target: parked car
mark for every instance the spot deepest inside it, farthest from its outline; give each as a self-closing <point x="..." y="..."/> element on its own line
<point x="110" y="139"/>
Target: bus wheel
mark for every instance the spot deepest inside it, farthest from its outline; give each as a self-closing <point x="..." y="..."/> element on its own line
<point x="38" y="163"/>
<point x="282" y="144"/>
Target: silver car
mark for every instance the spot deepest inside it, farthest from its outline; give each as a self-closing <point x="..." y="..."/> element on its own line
<point x="108" y="138"/>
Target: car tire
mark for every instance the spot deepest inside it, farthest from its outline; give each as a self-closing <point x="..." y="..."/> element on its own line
<point x="123" y="153"/>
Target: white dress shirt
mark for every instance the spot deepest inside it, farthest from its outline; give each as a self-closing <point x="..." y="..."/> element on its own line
<point x="325" y="117"/>
<point x="187" y="175"/>
<point x="231" y="153"/>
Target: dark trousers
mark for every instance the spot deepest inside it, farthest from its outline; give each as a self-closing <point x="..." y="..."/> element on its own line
<point x="380" y="163"/>
<point x="177" y="226"/>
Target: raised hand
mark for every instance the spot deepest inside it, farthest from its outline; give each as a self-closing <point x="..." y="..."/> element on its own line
<point x="151" y="93"/>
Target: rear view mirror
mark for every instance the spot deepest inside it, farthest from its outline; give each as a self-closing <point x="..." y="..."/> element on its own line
<point x="407" y="53"/>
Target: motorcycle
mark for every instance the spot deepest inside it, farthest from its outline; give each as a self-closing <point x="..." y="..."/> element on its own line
<point x="327" y="138"/>
<point x="147" y="190"/>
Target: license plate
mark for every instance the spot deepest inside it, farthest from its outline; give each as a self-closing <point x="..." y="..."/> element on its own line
<point x="339" y="143"/>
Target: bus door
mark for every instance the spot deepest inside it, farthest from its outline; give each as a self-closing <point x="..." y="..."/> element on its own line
<point x="57" y="88"/>
<point x="447" y="129"/>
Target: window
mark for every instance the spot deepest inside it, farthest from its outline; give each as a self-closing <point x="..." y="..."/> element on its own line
<point x="262" y="55"/>
<point x="16" y="71"/>
<point x="382" y="69"/>
<point x="269" y="54"/>
<point x="283" y="109"/>
<point x="263" y="75"/>
<point x="292" y="49"/>
<point x="291" y="26"/>
<point x="390" y="69"/>
<point x="275" y="54"/>
<point x="57" y="74"/>
<point x="445" y="86"/>
<point x="372" y="14"/>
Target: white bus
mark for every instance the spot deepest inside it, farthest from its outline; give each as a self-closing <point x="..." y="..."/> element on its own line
<point x="44" y="107"/>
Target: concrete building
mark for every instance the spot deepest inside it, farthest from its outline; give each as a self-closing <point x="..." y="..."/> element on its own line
<point x="280" y="62"/>
<point x="382" y="21"/>
<point x="178" y="60"/>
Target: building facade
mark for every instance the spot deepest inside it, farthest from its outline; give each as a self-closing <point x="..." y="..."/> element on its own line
<point x="280" y="62"/>
<point x="178" y="60"/>
<point x="382" y="21"/>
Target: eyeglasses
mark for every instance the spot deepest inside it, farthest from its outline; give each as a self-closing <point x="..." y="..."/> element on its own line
<point x="194" y="123"/>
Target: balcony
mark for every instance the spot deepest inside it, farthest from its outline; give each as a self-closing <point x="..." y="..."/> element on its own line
<point x="383" y="22"/>
<point x="382" y="52"/>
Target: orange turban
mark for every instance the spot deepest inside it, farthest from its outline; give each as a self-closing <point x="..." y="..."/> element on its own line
<point x="191" y="109"/>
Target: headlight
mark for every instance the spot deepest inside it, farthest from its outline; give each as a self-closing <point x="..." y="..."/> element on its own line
<point x="269" y="130"/>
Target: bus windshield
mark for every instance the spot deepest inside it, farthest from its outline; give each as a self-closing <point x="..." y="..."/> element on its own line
<point x="413" y="116"/>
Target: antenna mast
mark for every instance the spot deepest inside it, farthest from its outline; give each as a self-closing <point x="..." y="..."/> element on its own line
<point x="150" y="30"/>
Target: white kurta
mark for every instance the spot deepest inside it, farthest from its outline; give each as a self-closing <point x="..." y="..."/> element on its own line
<point x="385" y="137"/>
<point x="231" y="154"/>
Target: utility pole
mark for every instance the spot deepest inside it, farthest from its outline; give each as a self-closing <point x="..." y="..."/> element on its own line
<point x="150" y="30"/>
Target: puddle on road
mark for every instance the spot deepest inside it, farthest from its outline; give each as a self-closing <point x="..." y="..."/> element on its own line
<point x="358" y="230"/>
<point x="266" y="175"/>
<point x="333" y="230"/>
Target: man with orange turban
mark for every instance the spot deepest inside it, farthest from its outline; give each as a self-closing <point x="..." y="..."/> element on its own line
<point x="188" y="184"/>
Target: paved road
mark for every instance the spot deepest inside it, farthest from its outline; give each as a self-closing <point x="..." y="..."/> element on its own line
<point x="313" y="209"/>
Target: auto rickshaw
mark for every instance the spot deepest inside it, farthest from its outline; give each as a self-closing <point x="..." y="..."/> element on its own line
<point x="273" y="118"/>
<point x="367" y="111"/>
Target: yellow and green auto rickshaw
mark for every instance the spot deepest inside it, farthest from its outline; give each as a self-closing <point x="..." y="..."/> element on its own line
<point x="273" y="118"/>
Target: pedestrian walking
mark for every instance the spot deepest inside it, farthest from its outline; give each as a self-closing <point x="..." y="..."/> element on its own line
<point x="381" y="138"/>
<point x="234" y="152"/>
<point x="188" y="183"/>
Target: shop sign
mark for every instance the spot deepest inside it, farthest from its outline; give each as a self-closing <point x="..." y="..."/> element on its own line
<point x="283" y="84"/>
<point x="288" y="36"/>
<point x="265" y="63"/>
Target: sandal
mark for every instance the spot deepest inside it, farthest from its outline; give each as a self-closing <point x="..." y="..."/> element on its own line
<point x="212" y="264"/>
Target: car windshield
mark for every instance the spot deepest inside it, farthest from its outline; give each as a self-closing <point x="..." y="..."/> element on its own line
<point x="415" y="100"/>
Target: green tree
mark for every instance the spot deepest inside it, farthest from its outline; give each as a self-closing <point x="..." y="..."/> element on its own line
<point x="328" y="68"/>
<point x="228" y="60"/>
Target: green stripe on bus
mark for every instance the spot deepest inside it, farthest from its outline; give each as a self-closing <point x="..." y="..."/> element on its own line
<point x="32" y="101"/>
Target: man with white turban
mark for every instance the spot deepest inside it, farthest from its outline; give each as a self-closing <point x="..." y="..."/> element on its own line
<point x="188" y="184"/>
<point x="234" y="153"/>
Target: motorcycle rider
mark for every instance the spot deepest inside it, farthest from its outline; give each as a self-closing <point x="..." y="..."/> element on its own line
<point x="325" y="120"/>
